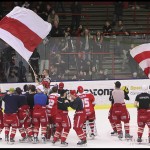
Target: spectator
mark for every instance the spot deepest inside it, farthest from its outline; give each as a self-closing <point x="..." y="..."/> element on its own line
<point x="79" y="31"/>
<point x="118" y="11"/>
<point x="101" y="75"/>
<point x="131" y="62"/>
<point x="7" y="60"/>
<point x="34" y="61"/>
<point x="81" y="76"/>
<point x="2" y="74"/>
<point x="107" y="28"/>
<point x="13" y="75"/>
<point x="78" y="34"/>
<point x="47" y="12"/>
<point x="54" y="74"/>
<point x="56" y="30"/>
<point x="81" y="62"/>
<point x="22" y="72"/>
<point x="120" y="29"/>
<point x="87" y="44"/>
<point x="52" y="16"/>
<point x="98" y="40"/>
<point x="67" y="41"/>
<point x="76" y="14"/>
<point x="121" y="32"/>
<point x="94" y="73"/>
<point x="125" y="59"/>
<point x="66" y="74"/>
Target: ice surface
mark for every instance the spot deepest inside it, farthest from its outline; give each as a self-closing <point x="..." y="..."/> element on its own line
<point x="102" y="140"/>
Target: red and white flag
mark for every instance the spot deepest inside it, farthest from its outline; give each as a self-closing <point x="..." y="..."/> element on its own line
<point x="141" y="55"/>
<point x="23" y="30"/>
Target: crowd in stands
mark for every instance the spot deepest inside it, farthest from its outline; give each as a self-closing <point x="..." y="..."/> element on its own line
<point x="82" y="60"/>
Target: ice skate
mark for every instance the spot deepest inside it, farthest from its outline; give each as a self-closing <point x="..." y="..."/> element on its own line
<point x="113" y="133"/>
<point x="139" y="139"/>
<point x="44" y="140"/>
<point x="30" y="138"/>
<point x="92" y="136"/>
<point x="24" y="140"/>
<point x="53" y="142"/>
<point x="128" y="136"/>
<point x="35" y="140"/>
<point x="6" y="137"/>
<point x="120" y="136"/>
<point x="82" y="143"/>
<point x="149" y="139"/>
<point x="64" y="144"/>
<point x="12" y="141"/>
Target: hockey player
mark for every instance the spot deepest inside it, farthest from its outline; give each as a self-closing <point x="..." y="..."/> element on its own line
<point x="10" y="115"/>
<point x="120" y="112"/>
<point x="52" y="111"/>
<point x="126" y="91"/>
<point x="24" y="117"/>
<point x="39" y="114"/>
<point x="46" y="81"/>
<point x="60" y="87"/>
<point x="1" y="113"/>
<point x="112" y="122"/>
<point x="63" y="123"/>
<point x="89" y="103"/>
<point x="79" y="117"/>
<point x="30" y="101"/>
<point x="142" y="102"/>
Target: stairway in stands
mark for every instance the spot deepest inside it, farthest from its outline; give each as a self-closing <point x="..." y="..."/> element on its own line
<point x="98" y="14"/>
<point x="134" y="21"/>
<point x="94" y="16"/>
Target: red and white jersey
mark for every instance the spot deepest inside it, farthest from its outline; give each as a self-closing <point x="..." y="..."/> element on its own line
<point x="88" y="101"/>
<point x="46" y="82"/>
<point x="52" y="104"/>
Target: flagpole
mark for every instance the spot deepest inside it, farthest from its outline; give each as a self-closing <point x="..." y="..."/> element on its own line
<point x="35" y="75"/>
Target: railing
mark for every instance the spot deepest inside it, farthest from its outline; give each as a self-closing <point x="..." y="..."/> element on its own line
<point x="109" y="60"/>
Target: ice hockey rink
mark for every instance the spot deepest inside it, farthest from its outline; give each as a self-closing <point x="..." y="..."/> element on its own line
<point x="102" y="140"/>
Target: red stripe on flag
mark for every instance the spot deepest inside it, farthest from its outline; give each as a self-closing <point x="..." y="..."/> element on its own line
<point x="142" y="56"/>
<point x="29" y="38"/>
<point x="147" y="71"/>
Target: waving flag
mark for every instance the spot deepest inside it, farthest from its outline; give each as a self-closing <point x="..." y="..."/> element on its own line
<point x="23" y="30"/>
<point x="141" y="55"/>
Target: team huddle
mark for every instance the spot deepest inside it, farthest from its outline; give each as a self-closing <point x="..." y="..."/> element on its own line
<point x="39" y="107"/>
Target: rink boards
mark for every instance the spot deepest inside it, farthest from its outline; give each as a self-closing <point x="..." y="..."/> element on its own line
<point x="101" y="89"/>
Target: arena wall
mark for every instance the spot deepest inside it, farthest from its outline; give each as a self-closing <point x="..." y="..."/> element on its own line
<point x="100" y="89"/>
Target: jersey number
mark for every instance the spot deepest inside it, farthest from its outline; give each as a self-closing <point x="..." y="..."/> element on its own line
<point x="86" y="102"/>
<point x="51" y="103"/>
